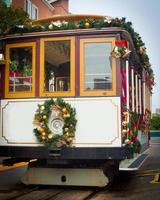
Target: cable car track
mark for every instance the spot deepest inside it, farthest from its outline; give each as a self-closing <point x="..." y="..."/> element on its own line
<point x="50" y="193"/>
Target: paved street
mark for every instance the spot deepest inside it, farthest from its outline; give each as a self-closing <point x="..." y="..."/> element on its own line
<point x="128" y="185"/>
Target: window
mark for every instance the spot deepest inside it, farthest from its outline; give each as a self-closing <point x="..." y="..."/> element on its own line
<point x="31" y="9"/>
<point x="97" y="67"/>
<point x="8" y="2"/>
<point x="28" y="7"/>
<point x="57" y="67"/>
<point x="34" y="12"/>
<point x="20" y="70"/>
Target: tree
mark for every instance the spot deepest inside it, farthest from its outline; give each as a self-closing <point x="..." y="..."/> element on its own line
<point x="11" y="18"/>
<point x="155" y="122"/>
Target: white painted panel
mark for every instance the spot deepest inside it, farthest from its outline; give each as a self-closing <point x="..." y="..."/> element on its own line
<point x="17" y="117"/>
<point x="98" y="121"/>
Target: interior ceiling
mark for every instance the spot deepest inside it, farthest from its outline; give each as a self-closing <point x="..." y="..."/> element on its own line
<point x="55" y="56"/>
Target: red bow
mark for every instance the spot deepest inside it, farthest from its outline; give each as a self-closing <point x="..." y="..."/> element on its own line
<point x="121" y="43"/>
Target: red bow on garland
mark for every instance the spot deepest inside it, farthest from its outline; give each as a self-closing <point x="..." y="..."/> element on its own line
<point x="121" y="43"/>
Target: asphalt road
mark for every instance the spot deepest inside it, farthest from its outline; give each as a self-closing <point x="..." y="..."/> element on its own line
<point x="143" y="184"/>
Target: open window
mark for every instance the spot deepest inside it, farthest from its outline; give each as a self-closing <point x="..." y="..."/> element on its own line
<point x="57" y="67"/>
<point x="20" y="70"/>
<point x="97" y="67"/>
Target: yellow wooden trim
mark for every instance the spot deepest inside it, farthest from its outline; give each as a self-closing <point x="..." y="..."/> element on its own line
<point x="68" y="18"/>
<point x="82" y="79"/>
<point x="156" y="179"/>
<point x="72" y="68"/>
<point x="16" y="165"/>
<point x="9" y="94"/>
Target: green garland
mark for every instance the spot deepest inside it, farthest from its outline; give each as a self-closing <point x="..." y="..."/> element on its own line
<point x="130" y="131"/>
<point x="65" y="113"/>
<point x="92" y="23"/>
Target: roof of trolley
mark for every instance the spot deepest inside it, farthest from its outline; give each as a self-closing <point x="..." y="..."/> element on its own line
<point x="80" y="24"/>
<point x="68" y="18"/>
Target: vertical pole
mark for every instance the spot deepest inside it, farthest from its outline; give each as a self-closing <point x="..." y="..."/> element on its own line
<point x="127" y="92"/>
<point x="136" y="93"/>
<point x="133" y="103"/>
<point x="140" y="98"/>
<point x="144" y="97"/>
<point x="14" y="82"/>
<point x="127" y="83"/>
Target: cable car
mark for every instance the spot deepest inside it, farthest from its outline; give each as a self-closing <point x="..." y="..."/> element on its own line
<point x="75" y="95"/>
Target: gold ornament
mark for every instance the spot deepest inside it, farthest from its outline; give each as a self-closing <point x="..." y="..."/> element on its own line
<point x="64" y="110"/>
<point x="125" y="113"/>
<point x="66" y="129"/>
<point x="64" y="116"/>
<point x="69" y="139"/>
<point x="124" y="131"/>
<point x="44" y="117"/>
<point x="35" y="122"/>
<point x="41" y="129"/>
<point x="124" y="123"/>
<point x="42" y="108"/>
<point x="50" y="136"/>
<point x="67" y="133"/>
<point x="68" y="115"/>
<point x="127" y="141"/>
<point x="43" y="137"/>
<point x="43" y="133"/>
<point x="87" y="24"/>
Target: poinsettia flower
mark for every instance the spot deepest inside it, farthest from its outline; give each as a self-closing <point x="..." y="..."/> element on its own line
<point x="64" y="22"/>
<point x="108" y="19"/>
<point x="57" y="23"/>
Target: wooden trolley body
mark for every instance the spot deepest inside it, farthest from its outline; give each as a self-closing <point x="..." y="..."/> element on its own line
<point x="104" y="99"/>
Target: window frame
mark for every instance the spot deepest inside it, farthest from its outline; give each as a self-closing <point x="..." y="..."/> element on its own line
<point x="29" y="10"/>
<point x="72" y="67"/>
<point x="33" y="6"/>
<point x="8" y="3"/>
<point x="102" y="92"/>
<point x="19" y="94"/>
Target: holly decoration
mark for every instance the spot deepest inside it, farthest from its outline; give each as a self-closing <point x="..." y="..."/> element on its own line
<point x="130" y="126"/>
<point x="67" y="117"/>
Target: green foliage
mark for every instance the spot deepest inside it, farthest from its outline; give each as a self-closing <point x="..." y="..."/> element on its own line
<point x="66" y="113"/>
<point x="155" y="122"/>
<point x="17" y="21"/>
<point x="13" y="65"/>
<point x="11" y="18"/>
<point x="27" y="70"/>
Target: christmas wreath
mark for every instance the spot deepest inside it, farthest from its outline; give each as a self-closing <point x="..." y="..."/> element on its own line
<point x="56" y="123"/>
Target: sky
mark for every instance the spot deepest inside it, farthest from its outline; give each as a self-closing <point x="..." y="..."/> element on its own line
<point x="144" y="15"/>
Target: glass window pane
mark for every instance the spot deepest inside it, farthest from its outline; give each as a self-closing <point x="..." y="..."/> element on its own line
<point x="98" y="66"/>
<point x="20" y="69"/>
<point x="34" y="12"/>
<point x="57" y="66"/>
<point x="8" y="2"/>
<point x="28" y="7"/>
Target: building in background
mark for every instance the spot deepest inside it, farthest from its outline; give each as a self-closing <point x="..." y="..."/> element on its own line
<point x="38" y="9"/>
<point x="158" y="111"/>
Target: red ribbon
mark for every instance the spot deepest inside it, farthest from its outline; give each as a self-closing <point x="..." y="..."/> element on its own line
<point x="121" y="43"/>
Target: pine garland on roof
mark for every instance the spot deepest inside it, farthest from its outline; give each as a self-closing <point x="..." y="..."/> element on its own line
<point x="21" y="24"/>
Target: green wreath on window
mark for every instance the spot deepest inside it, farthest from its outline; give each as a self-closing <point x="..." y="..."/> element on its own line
<point x="56" y="123"/>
